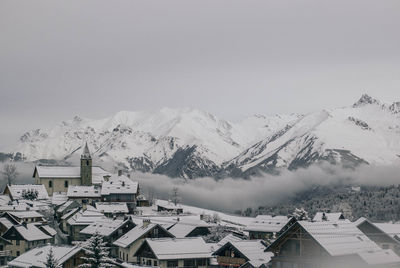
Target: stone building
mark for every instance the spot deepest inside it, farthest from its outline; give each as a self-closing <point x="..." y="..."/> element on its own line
<point x="58" y="178"/>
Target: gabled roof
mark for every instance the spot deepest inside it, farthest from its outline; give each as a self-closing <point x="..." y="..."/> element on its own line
<point x="29" y="232"/>
<point x="168" y="205"/>
<point x="136" y="233"/>
<point x="179" y="248"/>
<point x="105" y="227"/>
<point x="112" y="207"/>
<point x="25" y="214"/>
<point x="341" y="238"/>
<point x="251" y="250"/>
<point x="183" y="228"/>
<point x="37" y="257"/>
<point x="6" y="222"/>
<point x="329" y="216"/>
<point x="119" y="185"/>
<point x="229" y="238"/>
<point x="67" y="172"/>
<point x="86" y="217"/>
<point x="70" y="213"/>
<point x="17" y="190"/>
<point x="83" y="191"/>
<point x="59" y="198"/>
<point x="391" y="229"/>
<point x="267" y="223"/>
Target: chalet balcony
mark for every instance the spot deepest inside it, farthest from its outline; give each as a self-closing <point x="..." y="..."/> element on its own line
<point x="5" y="253"/>
<point x="229" y="261"/>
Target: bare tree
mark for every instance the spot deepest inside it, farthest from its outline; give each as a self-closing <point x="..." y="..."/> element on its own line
<point x="10" y="173"/>
<point x="175" y="195"/>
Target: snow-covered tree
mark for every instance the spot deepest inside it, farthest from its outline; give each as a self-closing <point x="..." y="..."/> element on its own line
<point x="96" y="253"/>
<point x="10" y="173"/>
<point x="51" y="261"/>
<point x="300" y="214"/>
<point x="31" y="194"/>
<point x="175" y="195"/>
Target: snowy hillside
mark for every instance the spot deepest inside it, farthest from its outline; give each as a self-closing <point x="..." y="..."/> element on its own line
<point x="191" y="143"/>
<point x="177" y="142"/>
<point x="366" y="132"/>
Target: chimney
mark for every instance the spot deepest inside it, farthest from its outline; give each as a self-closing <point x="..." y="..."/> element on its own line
<point x="146" y="222"/>
<point x="119" y="172"/>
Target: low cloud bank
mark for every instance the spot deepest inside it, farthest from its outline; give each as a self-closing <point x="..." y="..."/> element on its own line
<point x="231" y="194"/>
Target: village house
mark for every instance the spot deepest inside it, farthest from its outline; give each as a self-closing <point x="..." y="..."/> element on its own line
<point x="27" y="216"/>
<point x="169" y="206"/>
<point x="174" y="252"/>
<point x="59" y="198"/>
<point x="249" y="253"/>
<point x="65" y="256"/>
<point x="21" y="191"/>
<point x="80" y="220"/>
<point x="328" y="244"/>
<point x="385" y="235"/>
<point x="59" y="178"/>
<point x="84" y="194"/>
<point x="267" y="227"/>
<point x="5" y="255"/>
<point x="66" y="207"/>
<point x="63" y="222"/>
<point x="24" y="237"/>
<point x="113" y="209"/>
<point x="120" y="188"/>
<point x="130" y="242"/>
<point x="189" y="228"/>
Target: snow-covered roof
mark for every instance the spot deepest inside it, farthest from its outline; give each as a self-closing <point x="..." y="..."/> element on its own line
<point x="6" y="222"/>
<point x="67" y="172"/>
<point x="64" y="206"/>
<point x="267" y="223"/>
<point x="329" y="216"/>
<point x="69" y="213"/>
<point x="59" y="198"/>
<point x="113" y="207"/>
<point x="119" y="185"/>
<point x="253" y="250"/>
<point x="26" y="214"/>
<point x="134" y="234"/>
<point x="86" y="217"/>
<point x="83" y="191"/>
<point x="51" y="231"/>
<point x="4" y="199"/>
<point x="37" y="256"/>
<point x="168" y="204"/>
<point x="344" y="238"/>
<point x="16" y="190"/>
<point x="104" y="227"/>
<point x="184" y="227"/>
<point x="179" y="248"/>
<point x="229" y="238"/>
<point x="391" y="229"/>
<point x="31" y="232"/>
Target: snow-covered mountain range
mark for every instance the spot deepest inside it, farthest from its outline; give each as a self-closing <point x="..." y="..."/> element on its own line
<point x="191" y="143"/>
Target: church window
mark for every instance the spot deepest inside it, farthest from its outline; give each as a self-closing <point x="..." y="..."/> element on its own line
<point x="66" y="184"/>
<point x="50" y="184"/>
<point x="87" y="162"/>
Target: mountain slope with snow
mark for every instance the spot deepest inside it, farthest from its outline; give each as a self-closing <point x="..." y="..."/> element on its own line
<point x="191" y="143"/>
<point x="367" y="132"/>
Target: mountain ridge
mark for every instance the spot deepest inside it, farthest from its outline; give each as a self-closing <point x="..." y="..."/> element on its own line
<point x="191" y="143"/>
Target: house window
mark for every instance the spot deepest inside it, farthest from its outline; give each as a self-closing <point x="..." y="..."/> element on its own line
<point x="66" y="184"/>
<point x="155" y="263"/>
<point x="17" y="242"/>
<point x="189" y="263"/>
<point x="201" y="262"/>
<point x="50" y="184"/>
<point x="1" y="247"/>
<point x="18" y="253"/>
<point x="148" y="262"/>
<point x="172" y="263"/>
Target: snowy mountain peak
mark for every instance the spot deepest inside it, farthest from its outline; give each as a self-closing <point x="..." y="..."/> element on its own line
<point x="365" y="100"/>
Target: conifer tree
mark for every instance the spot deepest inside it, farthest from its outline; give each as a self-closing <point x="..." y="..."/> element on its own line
<point x="96" y="253"/>
<point x="51" y="261"/>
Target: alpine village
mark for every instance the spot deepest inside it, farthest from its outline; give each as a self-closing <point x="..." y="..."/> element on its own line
<point x="84" y="216"/>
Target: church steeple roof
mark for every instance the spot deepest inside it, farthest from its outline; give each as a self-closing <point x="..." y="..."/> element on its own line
<point x="86" y="153"/>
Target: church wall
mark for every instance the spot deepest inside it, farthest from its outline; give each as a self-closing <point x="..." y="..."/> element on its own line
<point x="58" y="184"/>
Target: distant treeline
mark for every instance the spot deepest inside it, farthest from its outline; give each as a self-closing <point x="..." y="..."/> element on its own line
<point x="379" y="204"/>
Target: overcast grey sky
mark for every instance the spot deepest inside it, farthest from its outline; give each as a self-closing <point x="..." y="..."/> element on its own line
<point x="231" y="58"/>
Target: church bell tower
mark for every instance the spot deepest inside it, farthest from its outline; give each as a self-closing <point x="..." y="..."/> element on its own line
<point x="86" y="167"/>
